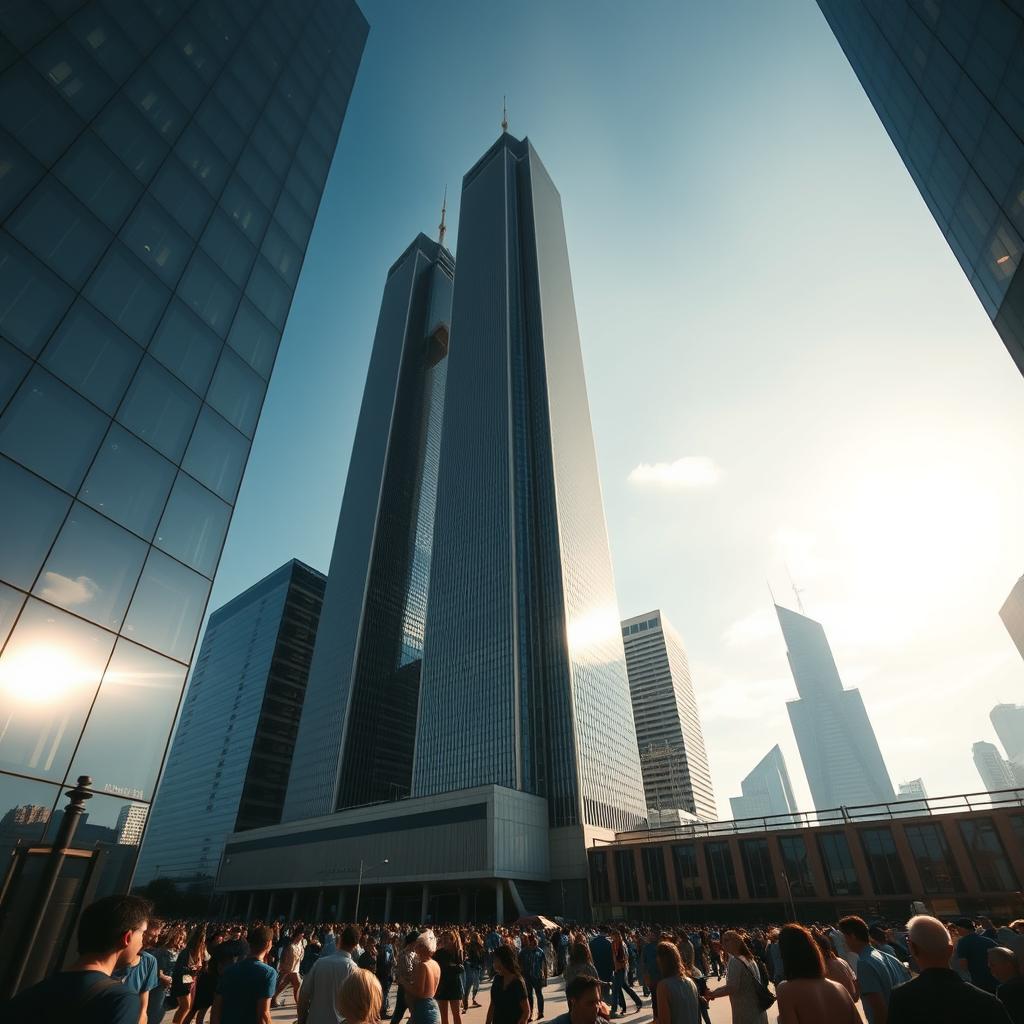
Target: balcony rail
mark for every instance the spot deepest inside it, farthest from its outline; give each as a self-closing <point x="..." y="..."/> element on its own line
<point x="913" y="807"/>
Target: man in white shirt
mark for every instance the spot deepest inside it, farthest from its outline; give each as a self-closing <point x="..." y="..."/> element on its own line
<point x="318" y="997"/>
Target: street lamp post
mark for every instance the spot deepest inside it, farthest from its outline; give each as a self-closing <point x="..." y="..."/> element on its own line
<point x="359" y="887"/>
<point x="789" y="889"/>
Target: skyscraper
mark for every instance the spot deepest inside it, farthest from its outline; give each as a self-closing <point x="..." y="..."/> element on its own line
<point x="524" y="673"/>
<point x="996" y="772"/>
<point x="358" y="727"/>
<point x="913" y="796"/>
<point x="1012" y="614"/>
<point x="1008" y="722"/>
<point x="947" y="82"/>
<point x="668" y="730"/>
<point x="229" y="763"/>
<point x="162" y="166"/>
<point x="766" y="790"/>
<point x="131" y="823"/>
<point x="840" y="754"/>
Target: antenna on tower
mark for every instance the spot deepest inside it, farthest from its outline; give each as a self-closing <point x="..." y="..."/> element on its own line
<point x="771" y="592"/>
<point x="797" y="591"/>
<point x="504" y="115"/>
<point x="441" y="229"/>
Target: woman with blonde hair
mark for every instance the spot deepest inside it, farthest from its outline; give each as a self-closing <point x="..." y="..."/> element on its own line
<point x="743" y="981"/>
<point x="678" y="1002"/>
<point x="451" y="987"/>
<point x="360" y="997"/>
<point x="426" y="976"/>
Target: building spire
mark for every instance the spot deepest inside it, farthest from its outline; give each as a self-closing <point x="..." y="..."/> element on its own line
<point x="441" y="229"/>
<point x="504" y="116"/>
<point x="797" y="591"/>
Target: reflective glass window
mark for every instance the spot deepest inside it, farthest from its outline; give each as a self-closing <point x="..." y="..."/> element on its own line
<point x="599" y="890"/>
<point x="142" y="688"/>
<point x="884" y="865"/>
<point x="49" y="674"/>
<point x="757" y="868"/>
<point x="11" y="601"/>
<point x="99" y="35"/>
<point x="73" y="73"/>
<point x="235" y="98"/>
<point x="190" y="43"/>
<point x="135" y="21"/>
<point x="655" y="876"/>
<point x="60" y="231"/>
<point x="156" y="102"/>
<point x="193" y="525"/>
<point x="684" y="862"/>
<point x="302" y="190"/>
<point x="129" y="294"/>
<point x="269" y="294"/>
<point x="228" y="247"/>
<point x="158" y="242"/>
<point x="177" y="74"/>
<point x="282" y="254"/>
<point x="254" y="339"/>
<point x="988" y="855"/>
<point x="269" y="145"/>
<point x="129" y="482"/>
<point x="182" y="196"/>
<point x="30" y="516"/>
<point x="237" y="392"/>
<point x="159" y="409"/>
<point x="186" y="346"/>
<point x="19" y="172"/>
<point x="32" y="298"/>
<point x="216" y="454"/>
<point x="13" y="367"/>
<point x="295" y="223"/>
<point x="209" y="293"/>
<point x="255" y="172"/>
<point x="51" y="430"/>
<point x="25" y="808"/>
<point x="35" y="115"/>
<point x="114" y="820"/>
<point x="796" y="866"/>
<point x="168" y="607"/>
<point x="245" y="210"/>
<point x="219" y="126"/>
<point x="130" y="137"/>
<point x="839" y="868"/>
<point x="196" y="150"/>
<point x="25" y="23"/>
<point x="92" y="569"/>
<point x="93" y="356"/>
<point x="721" y="870"/>
<point x="98" y="179"/>
<point x="625" y="874"/>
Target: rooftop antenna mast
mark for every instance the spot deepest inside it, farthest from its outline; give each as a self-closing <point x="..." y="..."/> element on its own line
<point x="504" y="115"/>
<point x="797" y="591"/>
<point x="441" y="229"/>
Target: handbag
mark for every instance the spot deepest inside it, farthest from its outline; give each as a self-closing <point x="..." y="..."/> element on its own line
<point x="764" y="996"/>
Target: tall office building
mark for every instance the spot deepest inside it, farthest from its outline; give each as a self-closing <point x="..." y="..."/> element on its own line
<point x="1008" y="722"/>
<point x="668" y="730"/>
<point x="996" y="772"/>
<point x="947" y="82"/>
<point x="131" y="823"/>
<point x="840" y="754"/>
<point x="1012" y="614"/>
<point x="767" y="790"/>
<point x="229" y="763"/>
<point x="358" y="727"/>
<point x="162" y="165"/>
<point x="912" y="790"/>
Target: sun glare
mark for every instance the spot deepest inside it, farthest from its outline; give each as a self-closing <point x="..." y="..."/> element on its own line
<point x="37" y="675"/>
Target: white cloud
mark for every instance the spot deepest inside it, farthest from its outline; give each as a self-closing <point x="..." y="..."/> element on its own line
<point x="754" y="628"/>
<point x="690" y="472"/>
<point x="68" y="592"/>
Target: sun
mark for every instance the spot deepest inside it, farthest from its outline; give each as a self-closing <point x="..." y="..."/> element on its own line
<point x="37" y="675"/>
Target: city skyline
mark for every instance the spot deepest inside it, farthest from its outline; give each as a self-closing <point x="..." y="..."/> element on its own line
<point x="818" y="428"/>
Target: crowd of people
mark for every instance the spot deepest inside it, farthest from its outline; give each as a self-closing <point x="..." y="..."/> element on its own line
<point x="136" y="969"/>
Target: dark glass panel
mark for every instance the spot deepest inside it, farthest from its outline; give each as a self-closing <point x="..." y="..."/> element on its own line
<point x="157" y="241"/>
<point x="796" y="865"/>
<point x="25" y="808"/>
<point x="237" y="392"/>
<point x="939" y="873"/>
<point x="217" y="123"/>
<point x="129" y="294"/>
<point x="757" y="868"/>
<point x="721" y="870"/>
<point x="207" y="291"/>
<point x="132" y="140"/>
<point x="182" y="196"/>
<point x="98" y="179"/>
<point x="269" y="293"/>
<point x="248" y="214"/>
<point x="156" y="102"/>
<point x="19" y="172"/>
<point x="73" y="73"/>
<point x="988" y="856"/>
<point x="32" y="298"/>
<point x="159" y="409"/>
<point x="228" y="247"/>
<point x="186" y="346"/>
<point x="196" y="150"/>
<point x="13" y="367"/>
<point x="887" y="875"/>
<point x="35" y="115"/>
<point x="30" y="516"/>
<point x="99" y="35"/>
<point x="599" y="889"/>
<point x="684" y="861"/>
<point x="839" y="869"/>
<point x="254" y="339"/>
<point x="625" y="874"/>
<point x="216" y="454"/>
<point x="655" y="878"/>
<point x="193" y="525"/>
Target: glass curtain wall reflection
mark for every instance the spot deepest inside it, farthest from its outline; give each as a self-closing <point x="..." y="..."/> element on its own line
<point x="162" y="166"/>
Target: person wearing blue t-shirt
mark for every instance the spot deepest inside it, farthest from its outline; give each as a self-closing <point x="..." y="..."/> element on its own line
<point x="142" y="976"/>
<point x="972" y="952"/>
<point x="873" y="975"/>
<point x="245" y="989"/>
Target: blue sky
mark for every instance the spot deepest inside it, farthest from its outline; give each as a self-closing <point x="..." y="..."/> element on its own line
<point x="769" y="316"/>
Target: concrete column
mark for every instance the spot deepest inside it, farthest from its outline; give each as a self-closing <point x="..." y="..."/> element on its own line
<point x="318" y="915"/>
<point x="249" y="907"/>
<point x="499" y="900"/>
<point x="389" y="894"/>
<point x="424" y="902"/>
<point x="270" y="907"/>
<point x="294" y="906"/>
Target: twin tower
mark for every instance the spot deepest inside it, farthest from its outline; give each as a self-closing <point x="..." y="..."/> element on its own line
<point x="470" y="632"/>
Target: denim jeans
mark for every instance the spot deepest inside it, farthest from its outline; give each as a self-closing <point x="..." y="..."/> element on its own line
<point x="535" y="985"/>
<point x="620" y="985"/>
<point x="472" y="983"/>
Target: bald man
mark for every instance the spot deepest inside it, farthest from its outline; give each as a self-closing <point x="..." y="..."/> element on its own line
<point x="938" y="995"/>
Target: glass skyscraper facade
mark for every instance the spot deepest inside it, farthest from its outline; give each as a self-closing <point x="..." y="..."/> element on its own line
<point x="1012" y="614"/>
<point x="358" y="726"/>
<point x="838" y="748"/>
<point x="946" y="78"/>
<point x="524" y="680"/>
<point x="161" y="166"/>
<point x="232" y="751"/>
<point x="766" y="790"/>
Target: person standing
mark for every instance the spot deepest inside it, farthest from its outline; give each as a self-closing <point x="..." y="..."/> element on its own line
<point x="508" y="1004"/>
<point x="451" y="988"/>
<point x="292" y="952"/>
<point x="805" y="993"/>
<point x="649" y="968"/>
<point x="141" y="976"/>
<point x="742" y="981"/>
<point x="875" y="978"/>
<point x="474" y="964"/>
<point x="532" y="964"/>
<point x="972" y="950"/>
<point x="426" y="976"/>
<point x="170" y="944"/>
<point x="1005" y="966"/>
<point x="384" y="970"/>
<point x="405" y="967"/>
<point x="245" y="988"/>
<point x="190" y="962"/>
<point x="620" y="984"/>
<point x="318" y="997"/>
<point x="601" y="954"/>
<point x="678" y="1002"/>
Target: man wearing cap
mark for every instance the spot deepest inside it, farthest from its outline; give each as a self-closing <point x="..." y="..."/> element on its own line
<point x="972" y="952"/>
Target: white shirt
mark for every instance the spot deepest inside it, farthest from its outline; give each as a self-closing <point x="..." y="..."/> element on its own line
<point x="318" y="996"/>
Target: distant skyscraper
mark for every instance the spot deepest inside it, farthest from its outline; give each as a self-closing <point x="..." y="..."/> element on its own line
<point x="161" y="167"/>
<point x="996" y="772"/>
<point x="766" y="790"/>
<point x="358" y="727"/>
<point x="1012" y="614"/>
<point x="945" y="80"/>
<point x="1008" y="721"/>
<point x="131" y="823"/>
<point x="668" y="730"/>
<point x="912" y="790"/>
<point x="840" y="754"/>
<point x="524" y="680"/>
<point x="229" y="763"/>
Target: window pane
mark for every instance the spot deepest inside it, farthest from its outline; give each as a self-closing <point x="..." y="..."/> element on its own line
<point x="195" y="149"/>
<point x="72" y="73"/>
<point x="93" y="356"/>
<point x="254" y="171"/>
<point x="128" y="293"/>
<point x="721" y="870"/>
<point x="35" y="115"/>
<point x="99" y="35"/>
<point x="249" y="215"/>
<point x="625" y="873"/>
<point x="25" y="808"/>
<point x="32" y="298"/>
<point x="216" y="454"/>
<point x="757" y="868"/>
<point x="988" y="856"/>
<point x="153" y="236"/>
<point x="655" y="878"/>
<point x="269" y="293"/>
<point x="19" y="173"/>
<point x="193" y="525"/>
<point x="99" y="180"/>
<point x="30" y="516"/>
<point x="131" y="139"/>
<point x="51" y="430"/>
<point x="217" y="123"/>
<point x="237" y="392"/>
<point x="796" y="866"/>
<point x="155" y="101"/>
<point x="684" y="860"/>
<point x="138" y="687"/>
<point x="49" y="673"/>
<point x="254" y="339"/>
<point x="129" y="482"/>
<point x="114" y="820"/>
<point x="159" y="409"/>
<point x="228" y="248"/>
<point x="209" y="293"/>
<point x="282" y="254"/>
<point x="168" y="607"/>
<point x="884" y="864"/>
<point x="92" y="569"/>
<point x="182" y="196"/>
<point x="839" y="870"/>
<point x="13" y="367"/>
<point x="186" y="346"/>
<point x="599" y="876"/>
